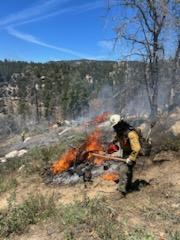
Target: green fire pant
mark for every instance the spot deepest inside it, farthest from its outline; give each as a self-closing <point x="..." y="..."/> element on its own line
<point x="125" y="177"/>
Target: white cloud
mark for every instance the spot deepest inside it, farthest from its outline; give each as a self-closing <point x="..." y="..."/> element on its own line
<point x="40" y="12"/>
<point x="31" y="12"/>
<point x="89" y="6"/>
<point x="75" y="10"/>
<point x="32" y="39"/>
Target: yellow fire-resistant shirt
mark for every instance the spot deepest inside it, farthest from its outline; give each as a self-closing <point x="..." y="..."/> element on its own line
<point x="130" y="145"/>
<point x="135" y="145"/>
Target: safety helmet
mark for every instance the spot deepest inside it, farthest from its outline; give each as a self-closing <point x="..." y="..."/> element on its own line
<point x="114" y="119"/>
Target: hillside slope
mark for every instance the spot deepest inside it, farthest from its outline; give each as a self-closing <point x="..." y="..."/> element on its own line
<point x="92" y="212"/>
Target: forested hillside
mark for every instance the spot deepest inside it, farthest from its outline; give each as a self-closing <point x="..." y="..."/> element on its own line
<point x="35" y="92"/>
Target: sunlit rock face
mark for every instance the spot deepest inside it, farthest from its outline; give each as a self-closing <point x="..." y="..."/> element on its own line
<point x="175" y="128"/>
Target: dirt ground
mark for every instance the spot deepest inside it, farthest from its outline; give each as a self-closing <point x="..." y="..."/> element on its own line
<point x="156" y="206"/>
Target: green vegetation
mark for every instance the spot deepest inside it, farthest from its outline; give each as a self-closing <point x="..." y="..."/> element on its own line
<point x="7" y="68"/>
<point x="56" y="90"/>
<point x="174" y="236"/>
<point x="7" y="183"/>
<point x="170" y="142"/>
<point x="35" y="161"/>
<point x="158" y="213"/>
<point x="18" y="218"/>
<point x="165" y="141"/>
<point x="92" y="215"/>
<point x="97" y="217"/>
<point x="53" y="87"/>
<point x="32" y="162"/>
<point x="141" y="234"/>
<point x="89" y="216"/>
<point x="64" y="90"/>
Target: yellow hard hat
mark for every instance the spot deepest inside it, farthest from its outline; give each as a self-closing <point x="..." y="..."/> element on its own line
<point x="114" y="119"/>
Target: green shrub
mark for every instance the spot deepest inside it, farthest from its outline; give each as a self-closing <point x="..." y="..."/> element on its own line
<point x="165" y="142"/>
<point x="18" y="218"/>
<point x="74" y="214"/>
<point x="11" y="166"/>
<point x="73" y="219"/>
<point x="95" y="216"/>
<point x="160" y="213"/>
<point x="140" y="234"/>
<point x="103" y="220"/>
<point x="7" y="184"/>
<point x="90" y="215"/>
<point x="39" y="158"/>
<point x="174" y="236"/>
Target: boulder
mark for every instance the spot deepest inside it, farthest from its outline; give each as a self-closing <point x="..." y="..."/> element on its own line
<point x="27" y="139"/>
<point x="12" y="154"/>
<point x="67" y="123"/>
<point x="22" y="152"/>
<point x="3" y="160"/>
<point x="55" y="126"/>
<point x="175" y="128"/>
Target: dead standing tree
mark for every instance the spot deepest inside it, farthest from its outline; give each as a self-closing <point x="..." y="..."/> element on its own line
<point x="141" y="28"/>
<point x="173" y="98"/>
<point x="175" y="85"/>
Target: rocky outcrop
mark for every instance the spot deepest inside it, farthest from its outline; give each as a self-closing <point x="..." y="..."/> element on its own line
<point x="175" y="128"/>
<point x="15" y="153"/>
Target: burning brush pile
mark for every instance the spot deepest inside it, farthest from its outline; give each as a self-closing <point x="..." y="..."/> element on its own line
<point x="83" y="163"/>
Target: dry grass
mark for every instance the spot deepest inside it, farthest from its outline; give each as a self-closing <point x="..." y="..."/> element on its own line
<point x="17" y="218"/>
<point x="143" y="215"/>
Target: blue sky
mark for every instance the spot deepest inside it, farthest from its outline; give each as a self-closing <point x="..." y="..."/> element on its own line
<point x="45" y="30"/>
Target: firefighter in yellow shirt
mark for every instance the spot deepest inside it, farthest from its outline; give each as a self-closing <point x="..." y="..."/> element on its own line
<point x="128" y="139"/>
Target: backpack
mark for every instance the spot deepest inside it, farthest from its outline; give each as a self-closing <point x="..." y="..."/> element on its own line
<point x="145" y="143"/>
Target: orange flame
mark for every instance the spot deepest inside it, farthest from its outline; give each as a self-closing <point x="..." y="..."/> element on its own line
<point x="65" y="161"/>
<point x="92" y="144"/>
<point x="101" y="118"/>
<point x="110" y="176"/>
<point x="98" y="119"/>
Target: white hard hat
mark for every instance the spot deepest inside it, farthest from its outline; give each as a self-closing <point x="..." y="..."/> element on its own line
<point x="114" y="119"/>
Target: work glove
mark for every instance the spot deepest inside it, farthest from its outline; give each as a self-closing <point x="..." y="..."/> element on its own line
<point x="129" y="162"/>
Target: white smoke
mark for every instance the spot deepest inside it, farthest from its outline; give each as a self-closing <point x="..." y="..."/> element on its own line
<point x="104" y="102"/>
